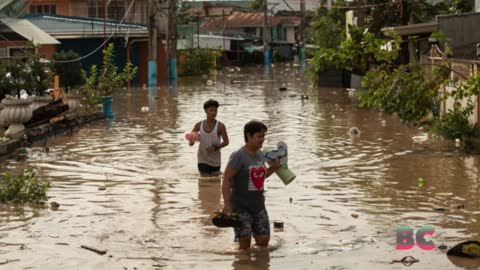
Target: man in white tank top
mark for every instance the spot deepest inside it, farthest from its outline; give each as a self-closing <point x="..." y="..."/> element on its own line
<point x="213" y="137"/>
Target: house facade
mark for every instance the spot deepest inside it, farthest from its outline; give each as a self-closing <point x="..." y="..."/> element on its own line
<point x="83" y="25"/>
<point x="204" y="9"/>
<point x="283" y="29"/>
<point x="92" y="9"/>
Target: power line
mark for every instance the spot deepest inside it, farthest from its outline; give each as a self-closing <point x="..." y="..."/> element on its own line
<point x="87" y="55"/>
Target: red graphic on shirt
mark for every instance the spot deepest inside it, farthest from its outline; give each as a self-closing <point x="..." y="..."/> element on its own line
<point x="257" y="177"/>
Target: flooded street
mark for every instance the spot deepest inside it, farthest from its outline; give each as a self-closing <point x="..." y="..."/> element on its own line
<point x="131" y="186"/>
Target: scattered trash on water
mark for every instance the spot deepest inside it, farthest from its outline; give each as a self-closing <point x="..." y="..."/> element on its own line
<point x="54" y="206"/>
<point x="442" y="247"/>
<point x="304" y="97"/>
<point x="384" y="123"/>
<point x="354" y="215"/>
<point x="277" y="224"/>
<point x="468" y="249"/>
<point x="145" y="109"/>
<point x="457" y="142"/>
<point x="96" y="250"/>
<point x="282" y="88"/>
<point x="421" y="182"/>
<point x="407" y="261"/>
<point x="354" y="132"/>
<point x="209" y="82"/>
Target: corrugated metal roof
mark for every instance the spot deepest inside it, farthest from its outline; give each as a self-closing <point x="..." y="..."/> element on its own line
<point x="240" y="19"/>
<point x="29" y="31"/>
<point x="75" y="27"/>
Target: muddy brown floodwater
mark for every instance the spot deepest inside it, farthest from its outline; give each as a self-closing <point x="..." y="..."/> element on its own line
<point x="131" y="187"/>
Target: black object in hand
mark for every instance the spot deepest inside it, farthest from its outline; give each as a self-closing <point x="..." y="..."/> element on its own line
<point x="221" y="220"/>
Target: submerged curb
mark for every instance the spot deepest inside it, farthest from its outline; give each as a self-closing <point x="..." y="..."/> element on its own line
<point x="44" y="131"/>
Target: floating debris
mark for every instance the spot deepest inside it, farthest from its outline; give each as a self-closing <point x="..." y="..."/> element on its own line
<point x="278" y="224"/>
<point x="354" y="131"/>
<point x="54" y="206"/>
<point x="96" y="250"/>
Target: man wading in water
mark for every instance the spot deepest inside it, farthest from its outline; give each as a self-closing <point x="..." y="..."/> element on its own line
<point x="242" y="187"/>
<point x="210" y="130"/>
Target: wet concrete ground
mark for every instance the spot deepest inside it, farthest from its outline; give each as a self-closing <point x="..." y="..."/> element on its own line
<point x="131" y="186"/>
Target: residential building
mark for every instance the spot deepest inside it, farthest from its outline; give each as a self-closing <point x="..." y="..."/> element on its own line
<point x="92" y="9"/>
<point x="283" y="29"/>
<point x="205" y="9"/>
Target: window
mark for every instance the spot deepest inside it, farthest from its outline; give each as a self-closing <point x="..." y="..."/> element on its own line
<point x="115" y="10"/>
<point x="14" y="52"/>
<point x="43" y="9"/>
<point x="3" y="53"/>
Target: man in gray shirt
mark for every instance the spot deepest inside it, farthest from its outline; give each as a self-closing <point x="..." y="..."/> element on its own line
<point x="242" y="187"/>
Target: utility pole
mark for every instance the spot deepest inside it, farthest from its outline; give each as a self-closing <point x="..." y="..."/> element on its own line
<point x="360" y="13"/>
<point x="152" y="45"/>
<point x="104" y="24"/>
<point x="266" y="33"/>
<point x="223" y="35"/>
<point x="301" y="47"/>
<point x="404" y="17"/>
<point x="198" y="30"/>
<point x="172" y="40"/>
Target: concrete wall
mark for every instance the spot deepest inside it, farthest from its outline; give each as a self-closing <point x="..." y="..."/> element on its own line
<point x="477" y="5"/>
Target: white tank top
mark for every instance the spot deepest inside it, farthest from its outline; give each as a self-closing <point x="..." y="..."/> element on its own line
<point x="206" y="140"/>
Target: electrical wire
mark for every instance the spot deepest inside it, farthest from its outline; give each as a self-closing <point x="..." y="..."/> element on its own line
<point x="89" y="54"/>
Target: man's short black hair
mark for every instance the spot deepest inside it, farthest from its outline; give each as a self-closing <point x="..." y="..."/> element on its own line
<point x="253" y="127"/>
<point x="210" y="103"/>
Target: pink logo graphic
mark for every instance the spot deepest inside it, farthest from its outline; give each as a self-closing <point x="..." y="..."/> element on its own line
<point x="406" y="240"/>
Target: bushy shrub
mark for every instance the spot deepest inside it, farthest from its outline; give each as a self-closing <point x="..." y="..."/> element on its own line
<point x="23" y="188"/>
<point x="199" y="61"/>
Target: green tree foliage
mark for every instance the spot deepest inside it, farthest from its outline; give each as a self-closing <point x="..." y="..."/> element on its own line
<point x="24" y="72"/>
<point x="327" y="29"/>
<point x="357" y="54"/>
<point x="199" y="61"/>
<point x="70" y="73"/>
<point x="258" y="4"/>
<point x="183" y="17"/>
<point x="405" y="91"/>
<point x="23" y="188"/>
<point x="108" y="79"/>
<point x="418" y="11"/>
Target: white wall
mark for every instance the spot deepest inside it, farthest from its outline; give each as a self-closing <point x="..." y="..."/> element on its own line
<point x="450" y="101"/>
<point x="211" y="43"/>
<point x="477" y="5"/>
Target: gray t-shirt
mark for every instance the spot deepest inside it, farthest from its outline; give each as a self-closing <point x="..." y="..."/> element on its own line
<point x="247" y="186"/>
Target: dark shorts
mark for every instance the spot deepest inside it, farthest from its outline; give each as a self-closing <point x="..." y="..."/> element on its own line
<point x="252" y="223"/>
<point x="207" y="169"/>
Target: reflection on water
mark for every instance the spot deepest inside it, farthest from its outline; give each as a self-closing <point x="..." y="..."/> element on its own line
<point x="130" y="186"/>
